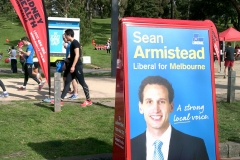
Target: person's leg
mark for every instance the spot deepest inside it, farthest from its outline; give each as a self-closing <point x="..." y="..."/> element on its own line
<point x="225" y="72"/>
<point x="67" y="85"/>
<point x="37" y="74"/>
<point x="29" y="70"/>
<point x="34" y="71"/>
<point x="68" y="80"/>
<point x="226" y="64"/>
<point x="75" y="86"/>
<point x="5" y="93"/>
<point x="67" y="70"/>
<point x="80" y="77"/>
<point x="64" y="79"/>
<point x="231" y="65"/>
<point x="14" y="65"/>
<point x="25" y="75"/>
<point x="75" y="89"/>
<point x="22" y="63"/>
<point x="2" y="86"/>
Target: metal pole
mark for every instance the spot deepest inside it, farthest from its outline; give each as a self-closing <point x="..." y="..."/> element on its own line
<point x="231" y="86"/>
<point x="114" y="36"/>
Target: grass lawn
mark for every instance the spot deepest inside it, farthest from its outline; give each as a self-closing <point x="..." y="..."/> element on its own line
<point x="30" y="130"/>
<point x="228" y="121"/>
<point x="101" y="31"/>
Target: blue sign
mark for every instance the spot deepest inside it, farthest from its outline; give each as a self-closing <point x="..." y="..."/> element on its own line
<point x="56" y="40"/>
<point x="182" y="56"/>
<point x="69" y="24"/>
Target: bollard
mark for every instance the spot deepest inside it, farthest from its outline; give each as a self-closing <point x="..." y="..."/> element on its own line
<point x="57" y="91"/>
<point x="231" y="86"/>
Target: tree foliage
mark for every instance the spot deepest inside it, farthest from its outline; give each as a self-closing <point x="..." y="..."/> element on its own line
<point x="219" y="11"/>
<point x="6" y="10"/>
<point x="72" y="9"/>
<point x="150" y="8"/>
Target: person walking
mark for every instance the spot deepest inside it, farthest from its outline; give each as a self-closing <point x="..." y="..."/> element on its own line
<point x="21" y="56"/>
<point x="66" y="64"/>
<point x="28" y="55"/>
<point x="229" y="58"/>
<point x="5" y="93"/>
<point x="75" y="69"/>
<point x="13" y="54"/>
<point x="108" y="46"/>
<point x="22" y="61"/>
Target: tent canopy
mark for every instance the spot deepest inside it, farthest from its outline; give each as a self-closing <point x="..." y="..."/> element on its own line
<point x="230" y="34"/>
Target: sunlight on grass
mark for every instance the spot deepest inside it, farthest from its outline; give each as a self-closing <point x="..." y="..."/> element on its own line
<point x="228" y="121"/>
<point x="101" y="29"/>
<point x="33" y="131"/>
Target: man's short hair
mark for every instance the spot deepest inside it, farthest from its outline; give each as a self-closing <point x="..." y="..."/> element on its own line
<point x="69" y="32"/>
<point x="159" y="81"/>
<point x="229" y="43"/>
<point x="25" y="39"/>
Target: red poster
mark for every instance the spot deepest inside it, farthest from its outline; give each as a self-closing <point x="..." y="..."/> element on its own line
<point x="164" y="88"/>
<point x="33" y="17"/>
<point x="215" y="39"/>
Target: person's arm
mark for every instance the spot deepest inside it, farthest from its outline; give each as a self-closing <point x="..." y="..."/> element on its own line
<point x="25" y="53"/>
<point x="10" y="51"/>
<point x="76" y="51"/>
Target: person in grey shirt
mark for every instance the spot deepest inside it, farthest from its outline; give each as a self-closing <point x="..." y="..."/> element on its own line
<point x="13" y="54"/>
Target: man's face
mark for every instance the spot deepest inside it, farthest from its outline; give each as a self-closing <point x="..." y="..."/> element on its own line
<point x="156" y="107"/>
<point x="25" y="42"/>
<point x="68" y="37"/>
<point x="64" y="38"/>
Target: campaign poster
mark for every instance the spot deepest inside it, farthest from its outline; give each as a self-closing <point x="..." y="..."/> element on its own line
<point x="56" y="40"/>
<point x="182" y="56"/>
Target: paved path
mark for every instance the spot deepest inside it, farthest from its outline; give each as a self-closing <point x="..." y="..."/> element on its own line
<point x="104" y="87"/>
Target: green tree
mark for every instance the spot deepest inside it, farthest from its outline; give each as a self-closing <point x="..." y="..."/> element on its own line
<point x="122" y="7"/>
<point x="7" y="10"/>
<point x="77" y="10"/>
<point x="72" y="9"/>
<point x="236" y="6"/>
<point x="150" y="8"/>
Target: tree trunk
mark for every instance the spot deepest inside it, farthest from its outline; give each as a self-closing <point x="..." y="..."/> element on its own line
<point x="172" y="9"/>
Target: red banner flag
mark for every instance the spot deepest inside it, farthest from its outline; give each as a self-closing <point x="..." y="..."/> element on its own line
<point x="215" y="39"/>
<point x="34" y="20"/>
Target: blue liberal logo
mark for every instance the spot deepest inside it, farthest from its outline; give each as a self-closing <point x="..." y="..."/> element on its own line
<point x="197" y="39"/>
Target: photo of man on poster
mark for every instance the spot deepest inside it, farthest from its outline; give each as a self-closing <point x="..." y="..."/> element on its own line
<point x="161" y="140"/>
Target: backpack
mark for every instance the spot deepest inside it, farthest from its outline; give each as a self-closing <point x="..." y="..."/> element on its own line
<point x="59" y="66"/>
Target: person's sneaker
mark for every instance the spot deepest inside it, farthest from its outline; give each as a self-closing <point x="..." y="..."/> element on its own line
<point x="22" y="88"/>
<point x="41" y="85"/>
<point x="224" y="77"/>
<point x="73" y="96"/>
<point x="43" y="81"/>
<point x="86" y="103"/>
<point x="52" y="102"/>
<point x="4" y="95"/>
